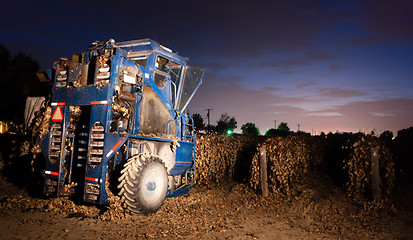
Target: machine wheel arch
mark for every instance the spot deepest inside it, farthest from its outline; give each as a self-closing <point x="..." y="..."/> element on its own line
<point x="143" y="183"/>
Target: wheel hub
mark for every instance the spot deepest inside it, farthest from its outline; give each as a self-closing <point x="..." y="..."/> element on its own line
<point x="151" y="186"/>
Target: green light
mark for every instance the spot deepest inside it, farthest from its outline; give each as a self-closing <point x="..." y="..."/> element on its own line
<point x="229" y="131"/>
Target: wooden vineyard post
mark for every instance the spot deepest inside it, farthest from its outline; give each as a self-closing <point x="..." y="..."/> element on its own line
<point x="375" y="173"/>
<point x="263" y="171"/>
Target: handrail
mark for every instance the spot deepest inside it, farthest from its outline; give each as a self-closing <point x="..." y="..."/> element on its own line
<point x="188" y="121"/>
<point x="178" y="116"/>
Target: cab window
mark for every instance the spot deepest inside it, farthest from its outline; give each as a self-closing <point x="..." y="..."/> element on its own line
<point x="175" y="73"/>
<point x="160" y="80"/>
<point x="162" y="64"/>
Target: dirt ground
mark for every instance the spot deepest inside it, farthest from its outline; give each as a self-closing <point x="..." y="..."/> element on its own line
<point x="232" y="211"/>
<point x="315" y="210"/>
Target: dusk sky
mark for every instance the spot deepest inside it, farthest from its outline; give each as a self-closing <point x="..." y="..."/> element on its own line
<point x="326" y="65"/>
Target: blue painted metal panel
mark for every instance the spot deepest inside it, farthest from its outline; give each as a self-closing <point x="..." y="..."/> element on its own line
<point x="80" y="96"/>
<point x="111" y="140"/>
<point x="183" y="160"/>
<point x="103" y="198"/>
<point x="146" y="46"/>
<point x="178" y="192"/>
<point x="98" y="113"/>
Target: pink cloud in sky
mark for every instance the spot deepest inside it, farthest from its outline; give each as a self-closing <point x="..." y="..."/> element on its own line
<point x="263" y="108"/>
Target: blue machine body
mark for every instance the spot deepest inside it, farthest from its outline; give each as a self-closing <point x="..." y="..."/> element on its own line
<point x="114" y="101"/>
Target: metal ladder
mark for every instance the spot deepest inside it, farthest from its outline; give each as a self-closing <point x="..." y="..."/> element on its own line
<point x="188" y="128"/>
<point x="189" y="133"/>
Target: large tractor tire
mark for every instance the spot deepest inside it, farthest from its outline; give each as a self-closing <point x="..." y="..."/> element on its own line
<point x="143" y="184"/>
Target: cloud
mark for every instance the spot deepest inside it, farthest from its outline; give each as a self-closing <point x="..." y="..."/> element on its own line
<point x="246" y="105"/>
<point x="263" y="107"/>
<point x="377" y="114"/>
<point x="392" y="114"/>
<point x="236" y="97"/>
<point x="325" y="114"/>
<point x="252" y="29"/>
<point x="340" y="93"/>
<point x="309" y="58"/>
<point x="212" y="79"/>
<point x="214" y="66"/>
<point x="394" y="106"/>
<point x="286" y="72"/>
<point x="271" y="89"/>
<point x="389" y="18"/>
<point x="366" y="41"/>
<point x="336" y="68"/>
<point x="365" y="116"/>
<point x="306" y="84"/>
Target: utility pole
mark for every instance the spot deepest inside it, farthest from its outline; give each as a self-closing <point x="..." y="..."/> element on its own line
<point x="275" y="124"/>
<point x="298" y="128"/>
<point x="208" y="109"/>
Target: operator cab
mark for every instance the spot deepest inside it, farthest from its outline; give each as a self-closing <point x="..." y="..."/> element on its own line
<point x="165" y="67"/>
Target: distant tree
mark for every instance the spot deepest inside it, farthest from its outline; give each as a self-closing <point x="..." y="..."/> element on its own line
<point x="210" y="127"/>
<point x="302" y="133"/>
<point x="226" y="123"/>
<point x="198" y="121"/>
<point x="386" y="135"/>
<point x="5" y="57"/>
<point x="403" y="151"/>
<point x="249" y="129"/>
<point x="283" y="127"/>
<point x="272" y="132"/>
<point x="18" y="80"/>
